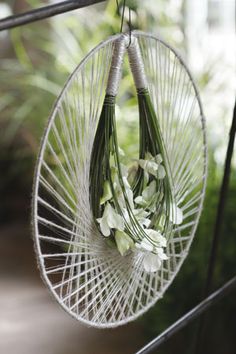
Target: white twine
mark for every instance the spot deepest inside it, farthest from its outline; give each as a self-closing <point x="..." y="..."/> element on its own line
<point x="116" y="66"/>
<point x="136" y="64"/>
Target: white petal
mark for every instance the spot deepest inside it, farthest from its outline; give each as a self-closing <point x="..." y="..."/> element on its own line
<point x="152" y="168"/>
<point x="151" y="262"/>
<point x="107" y="209"/>
<point x="129" y="192"/>
<point x="145" y="222"/>
<point x="120" y="198"/>
<point x="139" y="200"/>
<point x="130" y="198"/>
<point x="146" y="245"/>
<point x="143" y="163"/>
<point x="149" y="165"/>
<point x="160" y="253"/>
<point x="141" y="216"/>
<point x="137" y="245"/>
<point x="103" y="222"/>
<point x="104" y="227"/>
<point x="123" y="242"/>
<point x="149" y="192"/>
<point x="161" y="172"/>
<point x="148" y="156"/>
<point x="126" y="215"/>
<point x="114" y="220"/>
<point x="156" y="237"/>
<point x="117" y="222"/>
<point x="158" y="159"/>
<point x="140" y="213"/>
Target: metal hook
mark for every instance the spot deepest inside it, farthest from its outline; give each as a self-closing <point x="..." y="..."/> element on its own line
<point x="123" y="14"/>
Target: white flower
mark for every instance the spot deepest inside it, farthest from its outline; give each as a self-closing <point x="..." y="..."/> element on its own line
<point x="154" y="241"/>
<point x="153" y="165"/>
<point x="156" y="237"/>
<point x="124" y="242"/>
<point x="110" y="220"/>
<point x="120" y="194"/>
<point x="148" y="198"/>
<point x="140" y="215"/>
<point x="161" y="172"/>
<point x="150" y="166"/>
<point x="151" y="262"/>
<point x="144" y="245"/>
<point x="152" y="247"/>
<point x="176" y="214"/>
<point x="149" y="191"/>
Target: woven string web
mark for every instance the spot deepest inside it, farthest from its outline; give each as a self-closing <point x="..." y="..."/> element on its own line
<point x="93" y="282"/>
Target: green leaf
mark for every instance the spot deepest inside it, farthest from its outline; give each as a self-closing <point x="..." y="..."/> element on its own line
<point x="124" y="242"/>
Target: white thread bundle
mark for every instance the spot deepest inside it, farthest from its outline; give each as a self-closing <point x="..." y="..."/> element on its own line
<point x="136" y="64"/>
<point x="116" y="66"/>
<point x="91" y="281"/>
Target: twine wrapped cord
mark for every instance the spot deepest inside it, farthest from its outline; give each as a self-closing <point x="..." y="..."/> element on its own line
<point x="136" y="64"/>
<point x="116" y="66"/>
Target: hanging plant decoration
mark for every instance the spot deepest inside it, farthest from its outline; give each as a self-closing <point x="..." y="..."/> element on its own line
<point x="111" y="235"/>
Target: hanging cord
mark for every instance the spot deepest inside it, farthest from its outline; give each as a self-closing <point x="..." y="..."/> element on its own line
<point x="129" y="22"/>
<point x="130" y="27"/>
<point x="123" y="14"/>
<point x="122" y="17"/>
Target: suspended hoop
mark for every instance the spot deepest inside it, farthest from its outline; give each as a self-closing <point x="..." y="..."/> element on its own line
<point x="90" y="280"/>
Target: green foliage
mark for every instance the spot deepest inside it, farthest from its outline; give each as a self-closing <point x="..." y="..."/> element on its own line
<point x="35" y="62"/>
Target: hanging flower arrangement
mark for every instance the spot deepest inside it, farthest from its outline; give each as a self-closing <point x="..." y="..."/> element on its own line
<point x="133" y="205"/>
<point x="119" y="226"/>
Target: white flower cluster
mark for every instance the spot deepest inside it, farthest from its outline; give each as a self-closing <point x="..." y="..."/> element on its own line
<point x="113" y="223"/>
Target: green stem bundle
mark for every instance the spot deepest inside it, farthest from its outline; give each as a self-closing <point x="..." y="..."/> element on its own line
<point x="151" y="141"/>
<point x="106" y="149"/>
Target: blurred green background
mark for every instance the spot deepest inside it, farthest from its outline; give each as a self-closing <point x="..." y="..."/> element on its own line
<point x="35" y="61"/>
